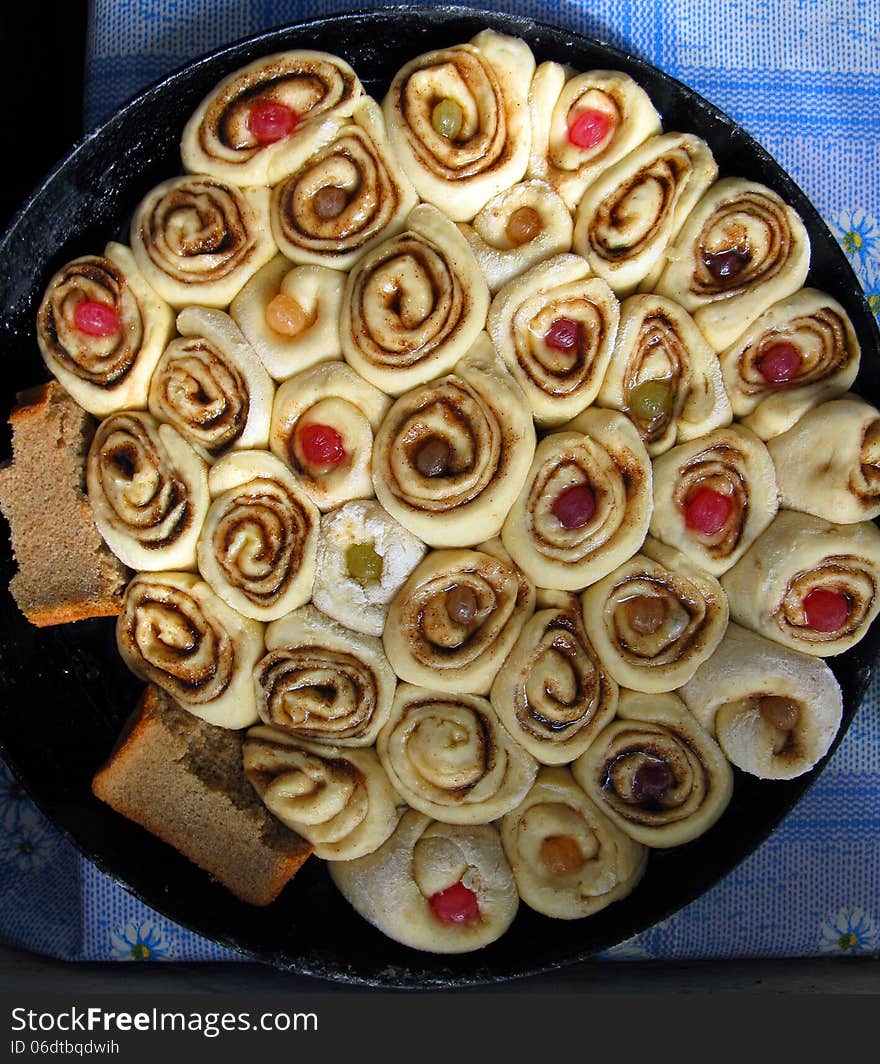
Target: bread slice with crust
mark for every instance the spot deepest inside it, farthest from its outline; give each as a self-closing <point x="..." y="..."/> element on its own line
<point x="182" y="779"/>
<point x="65" y="570"/>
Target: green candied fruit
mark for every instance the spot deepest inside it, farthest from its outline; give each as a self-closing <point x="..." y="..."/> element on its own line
<point x="650" y="400"/>
<point x="364" y="564"/>
<point x="447" y="118"/>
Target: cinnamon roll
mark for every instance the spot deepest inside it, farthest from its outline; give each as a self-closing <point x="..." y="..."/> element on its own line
<point x="413" y="305"/>
<point x="663" y="375"/>
<point x="568" y="858"/>
<point x="198" y="241"/>
<point x="322" y="682"/>
<point x="809" y="584"/>
<point x="176" y="633"/>
<point x="583" y="123"/>
<point x="799" y="353"/>
<point x="340" y="800"/>
<point x="210" y="385"/>
<point x="266" y="119"/>
<point x="553" y="694"/>
<point x="455" y="620"/>
<point x="828" y="463"/>
<point x="344" y="198"/>
<point x="148" y="491"/>
<point x="714" y="496"/>
<point x="291" y="316"/>
<point x="555" y="327"/>
<point x="458" y="121"/>
<point x="259" y="543"/>
<point x="774" y="712"/>
<point x="586" y="502"/>
<point x="656" y="772"/>
<point x="442" y="888"/>
<point x="740" y="251"/>
<point x="632" y="212"/>
<point x="518" y="228"/>
<point x="101" y="330"/>
<point x="323" y="421"/>
<point x="364" y="558"/>
<point x="451" y="455"/>
<point x="449" y="756"/>
<point x="655" y="619"/>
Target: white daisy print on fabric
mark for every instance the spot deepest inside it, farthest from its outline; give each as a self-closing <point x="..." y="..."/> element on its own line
<point x="850" y="931"/>
<point x="29" y="845"/>
<point x="630" y="950"/>
<point x="14" y="802"/>
<point x="140" y="940"/>
<point x="859" y="236"/>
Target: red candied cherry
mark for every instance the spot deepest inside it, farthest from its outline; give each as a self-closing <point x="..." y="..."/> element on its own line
<point x="651" y="780"/>
<point x="780" y="363"/>
<point x="574" y="507"/>
<point x="825" y="610"/>
<point x="707" y="511"/>
<point x="269" y="121"/>
<point x="589" y="128"/>
<point x="95" y="319"/>
<point x="321" y="445"/>
<point x="725" y="265"/>
<point x="455" y="905"/>
<point x="563" y="334"/>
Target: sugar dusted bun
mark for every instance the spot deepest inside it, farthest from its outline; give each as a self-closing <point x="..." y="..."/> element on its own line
<point x="568" y="858"/>
<point x="304" y="302"/>
<point x="103" y="373"/>
<point x="393" y="887"/>
<point x="318" y="89"/>
<point x="344" y="198"/>
<point x="774" y="711"/>
<point x="487" y="82"/>
<point x="339" y="799"/>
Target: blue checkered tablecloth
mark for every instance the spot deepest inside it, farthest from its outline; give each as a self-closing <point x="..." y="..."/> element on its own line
<point x="803" y="76"/>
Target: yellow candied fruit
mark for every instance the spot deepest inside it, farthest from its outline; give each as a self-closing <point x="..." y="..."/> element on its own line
<point x="364" y="564"/>
<point x="285" y="316"/>
<point x="447" y="118"/>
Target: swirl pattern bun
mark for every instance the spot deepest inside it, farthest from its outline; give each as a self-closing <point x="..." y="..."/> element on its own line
<point x="344" y="198"/>
<point x="147" y="490"/>
<point x="266" y="119"/>
<point x="586" y="502"/>
<point x="713" y="496"/>
<point x="656" y="772"/>
<point x="442" y="888"/>
<point x="323" y="421"/>
<point x="291" y="316"/>
<point x="259" y="542"/>
<point x="451" y="455"/>
<point x="339" y="799"/>
<point x="809" y="584"/>
<point x="632" y="212"/>
<point x="568" y="858"/>
<point x="553" y="694"/>
<point x="449" y="756"/>
<point x="105" y="365"/>
<point x="414" y="305"/>
<point x="774" y="712"/>
<point x="740" y="251"/>
<point x="176" y="633"/>
<point x="364" y="558"/>
<point x="555" y="328"/>
<point x="197" y="240"/>
<point x="455" y="620"/>
<point x="663" y="375"/>
<point x="820" y="357"/>
<point x="322" y="682"/>
<point x="614" y="112"/>
<point x="828" y="463"/>
<point x="458" y="121"/>
<point x="655" y="619"/>
<point x="210" y="385"/>
<point x="518" y="228"/>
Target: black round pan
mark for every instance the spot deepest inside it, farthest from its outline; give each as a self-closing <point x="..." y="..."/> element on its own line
<point x="65" y="691"/>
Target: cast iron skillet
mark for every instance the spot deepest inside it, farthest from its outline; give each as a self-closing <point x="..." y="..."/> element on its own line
<point x="65" y="691"/>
